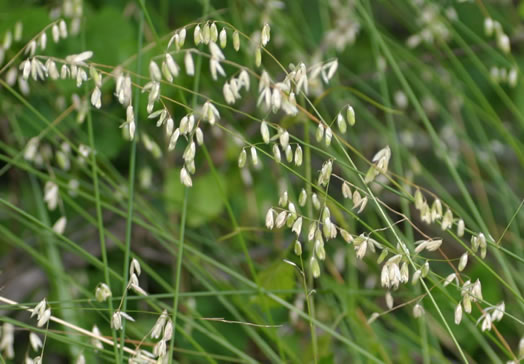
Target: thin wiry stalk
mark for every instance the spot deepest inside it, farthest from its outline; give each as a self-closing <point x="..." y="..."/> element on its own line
<point x="308" y="284"/>
<point x="438" y="144"/>
<point x="398" y="166"/>
<point x="178" y="272"/>
<point x="131" y="184"/>
<point x="100" y="222"/>
<point x="372" y="87"/>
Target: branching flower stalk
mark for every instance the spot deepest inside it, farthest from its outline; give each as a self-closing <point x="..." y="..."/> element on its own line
<point x="338" y="185"/>
<point x="71" y="326"/>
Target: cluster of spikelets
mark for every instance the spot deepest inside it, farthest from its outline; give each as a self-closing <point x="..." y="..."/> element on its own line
<point x="434" y="26"/>
<point x="274" y="96"/>
<point x="161" y="331"/>
<point x="404" y="265"/>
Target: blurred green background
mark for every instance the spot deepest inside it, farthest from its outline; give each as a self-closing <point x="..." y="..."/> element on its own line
<point x="458" y="135"/>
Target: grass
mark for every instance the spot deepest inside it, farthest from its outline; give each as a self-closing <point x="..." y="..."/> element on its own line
<point x="234" y="290"/>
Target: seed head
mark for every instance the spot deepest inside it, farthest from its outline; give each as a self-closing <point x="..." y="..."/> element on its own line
<point x="319" y="133"/>
<point x="429" y="245"/>
<point x="466" y="302"/>
<point x="298" y="156"/>
<point x="447" y="220"/>
<point x="486" y="323"/>
<point x="215" y="67"/>
<point x="346" y="190"/>
<point x="94" y="341"/>
<point x="172" y="65"/>
<point x="498" y="312"/>
<point x="419" y="199"/>
<point x="316" y="201"/>
<point x="223" y="38"/>
<point x="284" y="138"/>
<point x="189" y="152"/>
<point x="243" y="79"/>
<point x="258" y="57"/>
<point x="488" y="27"/>
<point x="312" y="231"/>
<point x="63" y="29"/>
<point x="504" y="43"/>
<point x="35" y="341"/>
<point x="418" y="310"/>
<point x="328" y="136"/>
<point x="425" y="269"/>
<point x="361" y="248"/>
<point x="182" y="37"/>
<point x="116" y="320"/>
<point x="242" y="158"/>
<point x="236" y="40"/>
<point x="315" y="268"/>
<point x="319" y="249"/>
<point x="213" y="32"/>
<point x="197" y="35"/>
<point x="79" y="59"/>
<point x="460" y="228"/>
<point x="450" y="278"/>
<point x="44" y="318"/>
<point x="512" y="77"/>
<point x="266" y="34"/>
<point x="416" y="276"/>
<point x="60" y="225"/>
<point x="348" y="238"/>
<point x="328" y="70"/>
<point x="254" y="156"/>
<point x="341" y="123"/>
<point x="7" y="340"/>
<point x="168" y="330"/>
<point x="55" y="33"/>
<point x="43" y="41"/>
<point x="102" y="292"/>
<point x="463" y="261"/>
<point x="297" y="226"/>
<point x="170" y="124"/>
<point x="350" y="115"/>
<point x="297" y="248"/>
<point x="206" y="33"/>
<point x="270" y="222"/>
<point x="264" y="130"/>
<point x="302" y="198"/>
<point x="436" y="210"/>
<point x="51" y="195"/>
<point x="389" y="300"/>
<point x="154" y="72"/>
<point x="276" y="153"/>
<point x="135" y="267"/>
<point x="185" y="178"/>
<point x="289" y="153"/>
<point x="458" y="314"/>
<point x="281" y="219"/>
<point x="188" y="63"/>
<point x="96" y="98"/>
<point x="173" y="139"/>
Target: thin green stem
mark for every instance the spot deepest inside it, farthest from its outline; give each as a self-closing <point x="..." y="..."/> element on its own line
<point x="100" y="222"/>
<point x="178" y="274"/>
<point x="131" y="183"/>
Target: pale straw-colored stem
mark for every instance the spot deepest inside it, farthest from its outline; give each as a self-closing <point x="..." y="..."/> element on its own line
<point x="75" y="328"/>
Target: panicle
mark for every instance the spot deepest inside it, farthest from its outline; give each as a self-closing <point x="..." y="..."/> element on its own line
<point x="265" y="35"/>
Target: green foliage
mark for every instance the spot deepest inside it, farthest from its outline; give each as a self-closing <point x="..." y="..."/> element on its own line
<point x="204" y="207"/>
<point x="430" y="117"/>
<point x="277" y="277"/>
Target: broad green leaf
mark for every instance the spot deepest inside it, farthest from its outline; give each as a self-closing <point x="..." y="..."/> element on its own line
<point x="205" y="201"/>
